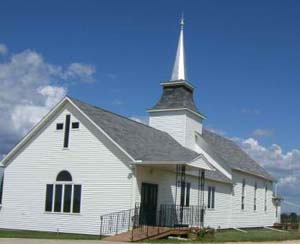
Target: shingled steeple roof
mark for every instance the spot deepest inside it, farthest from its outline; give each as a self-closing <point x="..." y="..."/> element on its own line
<point x="178" y="92"/>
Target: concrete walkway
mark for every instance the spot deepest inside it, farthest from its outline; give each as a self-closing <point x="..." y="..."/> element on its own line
<point x="41" y="241"/>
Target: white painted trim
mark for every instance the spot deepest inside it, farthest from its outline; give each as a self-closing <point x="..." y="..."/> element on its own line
<point x="206" y="161"/>
<point x="179" y="82"/>
<point x="133" y="186"/>
<point x="253" y="174"/>
<point x="175" y="163"/>
<point x="159" y="162"/>
<point x="213" y="161"/>
<point x="184" y="130"/>
<point x="220" y="181"/>
<point x="176" y="109"/>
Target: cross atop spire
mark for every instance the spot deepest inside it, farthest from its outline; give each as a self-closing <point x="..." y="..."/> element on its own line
<point x="179" y="72"/>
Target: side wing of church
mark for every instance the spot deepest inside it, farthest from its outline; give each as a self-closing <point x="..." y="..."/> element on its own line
<point x="86" y="170"/>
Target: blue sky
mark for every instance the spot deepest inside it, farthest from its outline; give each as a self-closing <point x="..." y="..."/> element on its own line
<point x="243" y="57"/>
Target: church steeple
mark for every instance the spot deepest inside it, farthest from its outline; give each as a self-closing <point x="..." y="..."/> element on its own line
<point x="179" y="70"/>
<point x="178" y="92"/>
<point x="176" y="112"/>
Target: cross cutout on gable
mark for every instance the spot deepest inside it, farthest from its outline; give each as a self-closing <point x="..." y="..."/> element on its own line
<point x="67" y="131"/>
<point x="67" y="126"/>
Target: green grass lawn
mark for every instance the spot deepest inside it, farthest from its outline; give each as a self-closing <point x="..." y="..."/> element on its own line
<point x="257" y="235"/>
<point x="44" y="235"/>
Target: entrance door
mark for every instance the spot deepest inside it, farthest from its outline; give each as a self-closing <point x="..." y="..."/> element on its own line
<point x="148" y="204"/>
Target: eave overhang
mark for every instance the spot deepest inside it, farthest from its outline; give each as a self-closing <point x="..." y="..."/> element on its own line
<point x="202" y="116"/>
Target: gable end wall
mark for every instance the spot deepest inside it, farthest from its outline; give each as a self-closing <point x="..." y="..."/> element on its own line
<point x="94" y="162"/>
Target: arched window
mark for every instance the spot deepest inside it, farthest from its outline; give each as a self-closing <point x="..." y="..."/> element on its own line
<point x="64" y="176"/>
<point x="63" y="196"/>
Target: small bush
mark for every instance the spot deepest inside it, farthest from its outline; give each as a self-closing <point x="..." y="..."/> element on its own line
<point x="197" y="233"/>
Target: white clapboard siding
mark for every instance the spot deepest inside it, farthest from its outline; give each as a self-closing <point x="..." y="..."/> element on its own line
<point x="249" y="217"/>
<point x="93" y="161"/>
<point x="181" y="125"/>
<point x="172" y="122"/>
<point x="193" y="126"/>
<point x="227" y="212"/>
<point x="165" y="180"/>
<point x="220" y="216"/>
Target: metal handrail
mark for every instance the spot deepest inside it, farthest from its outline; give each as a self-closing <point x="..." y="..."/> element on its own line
<point x="139" y="219"/>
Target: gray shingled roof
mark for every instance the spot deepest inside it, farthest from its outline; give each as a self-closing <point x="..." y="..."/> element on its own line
<point x="140" y="141"/>
<point x="229" y="153"/>
<point x="217" y="175"/>
<point x="146" y="143"/>
<point x="177" y="96"/>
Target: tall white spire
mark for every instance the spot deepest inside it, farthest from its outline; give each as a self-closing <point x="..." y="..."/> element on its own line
<point x="179" y="72"/>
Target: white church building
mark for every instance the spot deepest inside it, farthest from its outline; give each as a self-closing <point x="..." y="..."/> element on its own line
<point x="83" y="169"/>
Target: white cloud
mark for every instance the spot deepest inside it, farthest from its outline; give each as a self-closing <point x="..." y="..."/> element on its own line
<point x="272" y="157"/>
<point x="285" y="166"/>
<point x="30" y="87"/>
<point x="83" y="71"/>
<point x="262" y="133"/>
<point x="3" y="49"/>
<point x="288" y="180"/>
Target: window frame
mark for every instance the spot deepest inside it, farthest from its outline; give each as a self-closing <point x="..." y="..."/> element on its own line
<point x="64" y="173"/>
<point x="187" y="192"/>
<point x="211" y="197"/>
<point x="255" y="197"/>
<point x="59" y="126"/>
<point x="1" y="188"/>
<point x="63" y="184"/>
<point x="243" y="195"/>
<point x="75" y="123"/>
<point x="265" y="200"/>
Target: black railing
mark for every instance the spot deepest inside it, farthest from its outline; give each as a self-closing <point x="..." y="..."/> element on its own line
<point x="176" y="215"/>
<point x="117" y="222"/>
<point x="142" y="220"/>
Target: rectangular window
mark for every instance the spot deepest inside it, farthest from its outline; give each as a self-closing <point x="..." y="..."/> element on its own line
<point x="67" y="131"/>
<point x="1" y="187"/>
<point x="67" y="198"/>
<point x="243" y="195"/>
<point x="185" y="193"/>
<point x="58" y="196"/>
<point x="255" y="190"/>
<point x="49" y="197"/>
<point x="187" y="197"/>
<point x="75" y="125"/>
<point x="266" y="192"/>
<point x="211" y="197"/>
<point x="76" y="198"/>
<point x="59" y="126"/>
